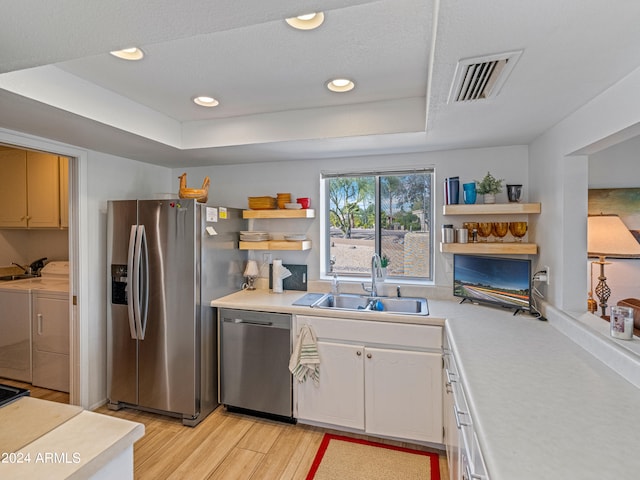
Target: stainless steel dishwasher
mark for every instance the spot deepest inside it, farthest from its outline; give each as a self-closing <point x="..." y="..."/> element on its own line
<point x="254" y="362"/>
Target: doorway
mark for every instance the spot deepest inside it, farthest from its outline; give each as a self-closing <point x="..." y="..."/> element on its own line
<point x="78" y="339"/>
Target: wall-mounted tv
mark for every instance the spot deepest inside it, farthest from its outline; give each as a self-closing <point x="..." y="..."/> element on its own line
<point x="505" y="282"/>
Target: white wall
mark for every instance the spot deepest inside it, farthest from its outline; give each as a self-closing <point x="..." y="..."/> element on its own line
<point x="558" y="174"/>
<point x="232" y="184"/>
<point x="25" y="246"/>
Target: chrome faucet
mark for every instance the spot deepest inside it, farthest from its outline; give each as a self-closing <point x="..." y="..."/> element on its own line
<point x="24" y="269"/>
<point x="376" y="273"/>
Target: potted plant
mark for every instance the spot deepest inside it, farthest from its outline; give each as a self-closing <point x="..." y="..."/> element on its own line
<point x="384" y="263"/>
<point x="489" y="187"/>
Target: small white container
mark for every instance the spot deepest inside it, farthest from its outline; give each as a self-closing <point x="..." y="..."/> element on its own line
<point x="276" y="280"/>
<point x="622" y="323"/>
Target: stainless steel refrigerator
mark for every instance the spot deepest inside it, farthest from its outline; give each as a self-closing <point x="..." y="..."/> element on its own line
<point x="166" y="260"/>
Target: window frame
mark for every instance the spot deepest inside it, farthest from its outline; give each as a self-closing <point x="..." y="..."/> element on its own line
<point x="325" y="225"/>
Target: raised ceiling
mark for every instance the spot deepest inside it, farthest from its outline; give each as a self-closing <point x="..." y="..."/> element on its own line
<point x="57" y="79"/>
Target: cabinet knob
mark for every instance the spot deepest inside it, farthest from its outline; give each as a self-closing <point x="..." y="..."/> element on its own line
<point x="368" y="355"/>
<point x="358" y="353"/>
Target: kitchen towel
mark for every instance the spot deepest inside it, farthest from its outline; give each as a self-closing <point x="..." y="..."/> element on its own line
<point x="305" y="360"/>
<point x="279" y="273"/>
<point x="297" y="280"/>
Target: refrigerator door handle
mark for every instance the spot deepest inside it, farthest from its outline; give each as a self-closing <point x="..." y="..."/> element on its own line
<point x="140" y="292"/>
<point x="144" y="283"/>
<point x="131" y="282"/>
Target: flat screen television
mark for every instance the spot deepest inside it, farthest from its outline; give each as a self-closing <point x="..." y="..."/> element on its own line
<point x="505" y="282"/>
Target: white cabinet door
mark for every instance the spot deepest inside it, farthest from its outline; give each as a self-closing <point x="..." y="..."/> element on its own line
<point x="338" y="398"/>
<point x="403" y="394"/>
<point x="50" y="333"/>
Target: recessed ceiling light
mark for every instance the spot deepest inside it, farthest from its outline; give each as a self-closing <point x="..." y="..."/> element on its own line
<point x="340" y="85"/>
<point x="205" y="101"/>
<point x="128" y="53"/>
<point x="308" y="21"/>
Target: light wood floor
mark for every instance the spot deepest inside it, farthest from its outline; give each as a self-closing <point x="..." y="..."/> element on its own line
<point x="38" y="392"/>
<point x="224" y="446"/>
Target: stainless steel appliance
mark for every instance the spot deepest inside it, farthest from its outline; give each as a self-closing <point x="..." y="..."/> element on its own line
<point x="254" y="362"/>
<point x="167" y="259"/>
<point x="8" y="394"/>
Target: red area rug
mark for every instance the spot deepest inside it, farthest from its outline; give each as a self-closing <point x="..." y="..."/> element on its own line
<point x="347" y="458"/>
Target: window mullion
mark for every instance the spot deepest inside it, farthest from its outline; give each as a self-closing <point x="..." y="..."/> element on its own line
<point x="378" y="229"/>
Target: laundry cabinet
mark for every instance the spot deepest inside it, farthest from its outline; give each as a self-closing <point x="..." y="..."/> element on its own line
<point x="382" y="378"/>
<point x="30" y="189"/>
<point x="50" y="340"/>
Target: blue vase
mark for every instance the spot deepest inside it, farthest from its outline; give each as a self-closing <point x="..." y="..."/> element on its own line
<point x="469" y="193"/>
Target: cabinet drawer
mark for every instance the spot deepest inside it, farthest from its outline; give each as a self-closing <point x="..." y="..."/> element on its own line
<point x="372" y="332"/>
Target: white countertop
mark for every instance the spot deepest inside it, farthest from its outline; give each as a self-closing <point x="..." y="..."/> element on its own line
<point x="60" y="441"/>
<point x="544" y="407"/>
<point x="266" y="301"/>
<point x="37" y="284"/>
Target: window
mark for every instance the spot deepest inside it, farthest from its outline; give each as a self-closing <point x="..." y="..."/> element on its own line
<point x="388" y="213"/>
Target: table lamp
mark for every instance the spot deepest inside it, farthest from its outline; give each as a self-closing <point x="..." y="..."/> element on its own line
<point x="608" y="236"/>
<point x="251" y="272"/>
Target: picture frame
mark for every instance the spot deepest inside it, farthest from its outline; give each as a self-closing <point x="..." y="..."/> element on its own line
<point x="624" y="202"/>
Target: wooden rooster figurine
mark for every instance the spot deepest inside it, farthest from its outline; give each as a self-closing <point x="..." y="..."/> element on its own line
<point x="200" y="194"/>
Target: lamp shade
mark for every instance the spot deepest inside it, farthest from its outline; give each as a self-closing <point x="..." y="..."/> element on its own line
<point x="251" y="269"/>
<point x="608" y="236"/>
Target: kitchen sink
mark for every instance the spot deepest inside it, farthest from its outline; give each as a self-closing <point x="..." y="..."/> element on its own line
<point x="354" y="302"/>
<point x="344" y="302"/>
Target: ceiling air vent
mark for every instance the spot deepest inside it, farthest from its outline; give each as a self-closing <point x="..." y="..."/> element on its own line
<point x="482" y="77"/>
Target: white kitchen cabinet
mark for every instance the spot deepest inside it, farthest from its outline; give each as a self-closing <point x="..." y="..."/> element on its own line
<point x="30" y="189"/>
<point x="463" y="449"/>
<point x="50" y="334"/>
<point x="403" y="394"/>
<point x="15" y="335"/>
<point x="379" y="377"/>
<point x="452" y="435"/>
<point x="338" y="397"/>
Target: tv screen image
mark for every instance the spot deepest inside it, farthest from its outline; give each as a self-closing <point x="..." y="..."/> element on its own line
<point x="505" y="282"/>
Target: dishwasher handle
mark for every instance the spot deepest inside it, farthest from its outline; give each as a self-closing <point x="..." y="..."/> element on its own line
<point x="248" y="322"/>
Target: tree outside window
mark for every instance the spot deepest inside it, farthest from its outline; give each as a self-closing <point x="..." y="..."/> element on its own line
<point x="385" y="213"/>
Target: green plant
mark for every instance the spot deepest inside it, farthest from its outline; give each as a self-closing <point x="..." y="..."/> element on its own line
<point x="384" y="261"/>
<point x="489" y="184"/>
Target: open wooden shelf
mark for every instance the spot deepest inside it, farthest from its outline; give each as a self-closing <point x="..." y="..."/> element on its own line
<point x="277" y="245"/>
<point x="280" y="213"/>
<point x="491" y="209"/>
<point x="491" y="248"/>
